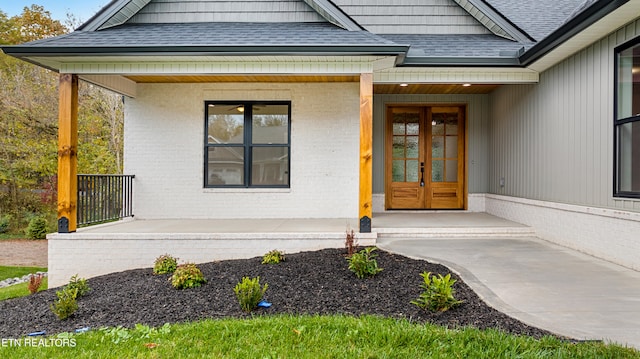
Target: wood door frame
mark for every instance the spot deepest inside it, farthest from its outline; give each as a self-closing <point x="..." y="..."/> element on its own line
<point x="388" y="151"/>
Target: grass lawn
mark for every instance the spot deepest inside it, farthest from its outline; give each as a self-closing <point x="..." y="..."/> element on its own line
<point x="304" y="337"/>
<point x="19" y="290"/>
<point x="12" y="236"/>
<point x="11" y="272"/>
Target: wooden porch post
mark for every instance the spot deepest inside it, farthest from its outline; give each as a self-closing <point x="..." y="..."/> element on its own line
<point x="67" y="153"/>
<point x="366" y="151"/>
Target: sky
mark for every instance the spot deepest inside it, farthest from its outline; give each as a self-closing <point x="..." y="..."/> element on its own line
<point x="82" y="9"/>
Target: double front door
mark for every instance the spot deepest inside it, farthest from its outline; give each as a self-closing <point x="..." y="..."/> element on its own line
<point x="425" y="157"/>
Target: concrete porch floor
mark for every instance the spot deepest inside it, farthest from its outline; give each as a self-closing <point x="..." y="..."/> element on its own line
<point x="381" y="222"/>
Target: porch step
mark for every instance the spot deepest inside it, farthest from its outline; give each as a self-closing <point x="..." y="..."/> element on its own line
<point x="455" y="232"/>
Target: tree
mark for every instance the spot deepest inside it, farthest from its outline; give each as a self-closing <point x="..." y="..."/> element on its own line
<point x="29" y="122"/>
<point x="34" y="23"/>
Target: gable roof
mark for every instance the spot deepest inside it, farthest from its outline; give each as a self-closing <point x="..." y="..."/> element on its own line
<point x="538" y="18"/>
<point x="512" y="38"/>
<point x="118" y="12"/>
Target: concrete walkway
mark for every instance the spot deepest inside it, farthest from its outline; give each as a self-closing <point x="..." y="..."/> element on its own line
<point x="541" y="284"/>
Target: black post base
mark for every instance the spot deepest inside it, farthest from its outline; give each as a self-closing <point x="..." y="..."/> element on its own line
<point x="63" y="225"/>
<point x="365" y="224"/>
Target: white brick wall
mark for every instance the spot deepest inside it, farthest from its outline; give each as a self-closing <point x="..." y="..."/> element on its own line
<point x="88" y="258"/>
<point x="164" y="139"/>
<point x="612" y="235"/>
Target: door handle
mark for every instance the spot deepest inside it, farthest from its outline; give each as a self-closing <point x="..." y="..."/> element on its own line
<point x="421" y="174"/>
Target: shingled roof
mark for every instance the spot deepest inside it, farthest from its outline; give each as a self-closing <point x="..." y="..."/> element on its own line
<point x="532" y="29"/>
<point x="217" y="37"/>
<point x="538" y="18"/>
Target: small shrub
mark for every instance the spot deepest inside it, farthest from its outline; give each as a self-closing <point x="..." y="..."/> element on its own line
<point x="363" y="263"/>
<point x="5" y="221"/>
<point x="350" y="243"/>
<point x="37" y="228"/>
<point x="165" y="264"/>
<point x="187" y="275"/>
<point x="438" y="294"/>
<point x="249" y="293"/>
<point x="79" y="284"/>
<point x="66" y="304"/>
<point x="273" y="257"/>
<point x="35" y="281"/>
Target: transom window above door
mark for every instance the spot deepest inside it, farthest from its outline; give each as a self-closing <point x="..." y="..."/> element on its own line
<point x="247" y="144"/>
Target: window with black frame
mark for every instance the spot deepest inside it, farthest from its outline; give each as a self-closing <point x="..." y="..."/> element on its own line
<point x="627" y="121"/>
<point x="247" y="144"/>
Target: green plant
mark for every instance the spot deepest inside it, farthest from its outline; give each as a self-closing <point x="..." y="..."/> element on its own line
<point x="66" y="304"/>
<point x="37" y="228"/>
<point x="121" y="334"/>
<point x="34" y="283"/>
<point x="363" y="263"/>
<point x="438" y="294"/>
<point x="165" y="264"/>
<point x="187" y="275"/>
<point x="273" y="257"/>
<point x="5" y="221"/>
<point x="80" y="284"/>
<point x="249" y="293"/>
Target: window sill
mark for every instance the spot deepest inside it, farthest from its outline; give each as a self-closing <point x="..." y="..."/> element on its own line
<point x="246" y="190"/>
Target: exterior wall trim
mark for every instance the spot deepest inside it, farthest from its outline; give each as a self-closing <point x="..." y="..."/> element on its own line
<point x="608" y="234"/>
<point x="603" y="212"/>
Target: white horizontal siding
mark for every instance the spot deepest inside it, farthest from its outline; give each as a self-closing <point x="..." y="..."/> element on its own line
<point x="176" y="11"/>
<point x="412" y="17"/>
<point x="477" y="134"/>
<point x="456" y="75"/>
<point x="554" y="141"/>
<point x="176" y="68"/>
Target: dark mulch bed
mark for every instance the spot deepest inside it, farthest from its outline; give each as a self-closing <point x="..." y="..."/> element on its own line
<point x="306" y="283"/>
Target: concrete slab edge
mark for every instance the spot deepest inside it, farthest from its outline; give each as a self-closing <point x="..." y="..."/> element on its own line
<point x="489" y="297"/>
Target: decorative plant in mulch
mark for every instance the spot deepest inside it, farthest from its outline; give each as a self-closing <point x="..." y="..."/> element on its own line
<point x="165" y="264"/>
<point x="187" y="275"/>
<point x="364" y="263"/>
<point x="249" y="293"/>
<point x="273" y="257"/>
<point x="350" y="243"/>
<point x="67" y="303"/>
<point x="438" y="294"/>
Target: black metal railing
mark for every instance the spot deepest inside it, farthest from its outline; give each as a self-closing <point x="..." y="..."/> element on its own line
<point x="104" y="198"/>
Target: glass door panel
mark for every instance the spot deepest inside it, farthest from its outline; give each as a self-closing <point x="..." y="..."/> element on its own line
<point x="406" y="142"/>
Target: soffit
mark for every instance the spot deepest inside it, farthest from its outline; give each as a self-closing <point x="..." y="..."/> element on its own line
<point x="448" y="89"/>
<point x="189" y="65"/>
<point x="377" y="88"/>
